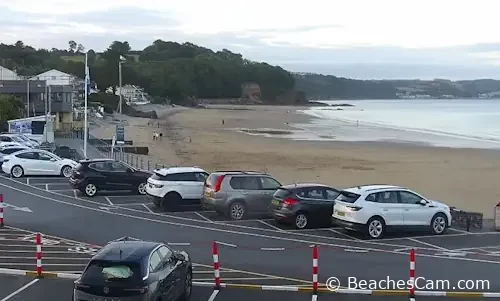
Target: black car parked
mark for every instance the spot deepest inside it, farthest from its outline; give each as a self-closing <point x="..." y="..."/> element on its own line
<point x="304" y="204"/>
<point x="91" y="176"/>
<point x="136" y="270"/>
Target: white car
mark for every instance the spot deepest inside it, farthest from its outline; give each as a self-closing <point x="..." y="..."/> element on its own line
<point x="18" y="139"/>
<point x="4" y="151"/>
<point x="172" y="187"/>
<point x="377" y="209"/>
<point x="36" y="162"/>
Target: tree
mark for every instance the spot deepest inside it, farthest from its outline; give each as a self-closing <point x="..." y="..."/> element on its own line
<point x="91" y="56"/>
<point x="72" y="46"/>
<point x="10" y="107"/>
<point x="80" y="48"/>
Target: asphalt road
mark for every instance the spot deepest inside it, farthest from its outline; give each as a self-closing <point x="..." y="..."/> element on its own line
<point x="253" y="245"/>
<point x="17" y="288"/>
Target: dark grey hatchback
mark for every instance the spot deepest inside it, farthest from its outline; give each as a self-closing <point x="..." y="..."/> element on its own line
<point x="133" y="270"/>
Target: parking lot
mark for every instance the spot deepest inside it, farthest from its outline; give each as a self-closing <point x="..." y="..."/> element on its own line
<point x="18" y="250"/>
<point x="479" y="244"/>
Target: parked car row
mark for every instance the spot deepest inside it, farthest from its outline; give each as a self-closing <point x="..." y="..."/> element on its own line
<point x="373" y="209"/>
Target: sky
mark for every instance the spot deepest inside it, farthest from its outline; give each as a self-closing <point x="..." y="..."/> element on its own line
<point x="365" y="39"/>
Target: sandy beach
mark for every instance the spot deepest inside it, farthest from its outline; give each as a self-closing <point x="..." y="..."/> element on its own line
<point x="465" y="178"/>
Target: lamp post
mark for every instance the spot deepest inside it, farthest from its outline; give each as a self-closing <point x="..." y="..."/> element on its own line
<point x="122" y="60"/>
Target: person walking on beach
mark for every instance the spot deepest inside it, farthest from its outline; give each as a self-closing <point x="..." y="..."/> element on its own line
<point x="161" y="136"/>
<point x="154" y="135"/>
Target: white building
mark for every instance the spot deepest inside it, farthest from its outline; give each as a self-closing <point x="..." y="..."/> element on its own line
<point x="56" y="78"/>
<point x="7" y="74"/>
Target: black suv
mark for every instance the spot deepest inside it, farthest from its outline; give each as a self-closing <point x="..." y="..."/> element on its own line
<point x="90" y="176"/>
<point x="136" y="270"/>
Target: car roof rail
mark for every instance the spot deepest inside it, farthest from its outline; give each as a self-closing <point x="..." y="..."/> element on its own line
<point x="243" y="171"/>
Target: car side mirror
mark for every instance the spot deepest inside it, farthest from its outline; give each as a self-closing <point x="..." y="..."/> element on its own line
<point x="179" y="256"/>
<point x="422" y="202"/>
<point x="130" y="170"/>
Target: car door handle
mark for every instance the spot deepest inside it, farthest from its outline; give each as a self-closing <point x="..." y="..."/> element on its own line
<point x="385" y="209"/>
<point x="244" y="193"/>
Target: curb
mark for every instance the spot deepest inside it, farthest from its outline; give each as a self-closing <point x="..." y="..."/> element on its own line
<point x="283" y="288"/>
<point x="5" y="271"/>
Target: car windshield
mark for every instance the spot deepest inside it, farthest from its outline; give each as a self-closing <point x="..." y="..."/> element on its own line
<point x="17" y="139"/>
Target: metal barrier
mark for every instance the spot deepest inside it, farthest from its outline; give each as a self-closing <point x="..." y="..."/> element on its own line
<point x="134" y="160"/>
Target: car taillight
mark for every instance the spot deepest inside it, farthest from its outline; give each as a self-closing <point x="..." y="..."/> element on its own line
<point x="354" y="208"/>
<point x="289" y="202"/>
<point x="218" y="183"/>
<point x="138" y="290"/>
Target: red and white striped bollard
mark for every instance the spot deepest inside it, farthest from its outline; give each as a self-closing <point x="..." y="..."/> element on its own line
<point x="412" y="275"/>
<point x="315" y="270"/>
<point x="1" y="211"/>
<point x="215" y="254"/>
<point x="39" y="255"/>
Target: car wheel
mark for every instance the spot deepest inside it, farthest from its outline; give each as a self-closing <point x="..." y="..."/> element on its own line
<point x="301" y="221"/>
<point x="141" y="189"/>
<point x="375" y="227"/>
<point x="188" y="286"/>
<point x="172" y="201"/>
<point x="66" y="171"/>
<point x="439" y="223"/>
<point x="237" y="211"/>
<point x="17" y="171"/>
<point x="90" y="190"/>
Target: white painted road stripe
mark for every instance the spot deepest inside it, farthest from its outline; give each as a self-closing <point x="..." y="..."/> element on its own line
<point x="20" y="290"/>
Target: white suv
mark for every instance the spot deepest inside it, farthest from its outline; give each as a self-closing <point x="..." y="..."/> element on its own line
<point x="173" y="187"/>
<point x="377" y="209"/>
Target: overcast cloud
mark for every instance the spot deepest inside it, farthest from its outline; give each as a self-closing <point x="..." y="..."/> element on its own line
<point x="356" y="38"/>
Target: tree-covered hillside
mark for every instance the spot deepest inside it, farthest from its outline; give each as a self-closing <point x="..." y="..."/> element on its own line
<point x="164" y="69"/>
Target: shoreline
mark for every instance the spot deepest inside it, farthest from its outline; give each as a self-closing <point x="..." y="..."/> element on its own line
<point x="461" y="177"/>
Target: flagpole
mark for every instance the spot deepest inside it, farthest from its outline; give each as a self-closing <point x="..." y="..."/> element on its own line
<point x="85" y="125"/>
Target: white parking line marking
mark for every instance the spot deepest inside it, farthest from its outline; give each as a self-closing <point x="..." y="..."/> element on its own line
<point x="134" y="204"/>
<point x="212" y="296"/>
<point x="226" y="244"/>
<point x="427" y="244"/>
<point x="459" y="231"/>
<point x="203" y="217"/>
<point x="346" y="235"/>
<point x="147" y="208"/>
<point x="47" y="187"/>
<point x="28" y="181"/>
<point x="306" y="241"/>
<point x="428" y="236"/>
<point x="75" y="192"/>
<point x="270" y="226"/>
<point x="109" y="201"/>
<point x="20" y="290"/>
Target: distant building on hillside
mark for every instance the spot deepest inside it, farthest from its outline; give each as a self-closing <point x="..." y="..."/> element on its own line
<point x="7" y="74"/>
<point x="131" y="94"/>
<point x="250" y="91"/>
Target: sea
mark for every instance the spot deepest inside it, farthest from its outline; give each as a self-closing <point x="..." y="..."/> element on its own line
<point x="458" y="123"/>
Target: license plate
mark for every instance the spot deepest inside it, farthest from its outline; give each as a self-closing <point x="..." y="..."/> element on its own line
<point x="340" y="213"/>
<point x="275" y="202"/>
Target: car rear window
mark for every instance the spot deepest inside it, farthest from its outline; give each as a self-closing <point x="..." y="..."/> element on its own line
<point x="211" y="180"/>
<point x="347" y="197"/>
<point x="282" y="193"/>
<point x="9" y="151"/>
<point x="105" y="271"/>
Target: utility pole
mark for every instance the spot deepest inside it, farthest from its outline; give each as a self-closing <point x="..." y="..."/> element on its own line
<point x="28" y="95"/>
<point x="120" y="84"/>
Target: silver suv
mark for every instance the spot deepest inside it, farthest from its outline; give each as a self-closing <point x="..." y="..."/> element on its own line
<point x="238" y="193"/>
